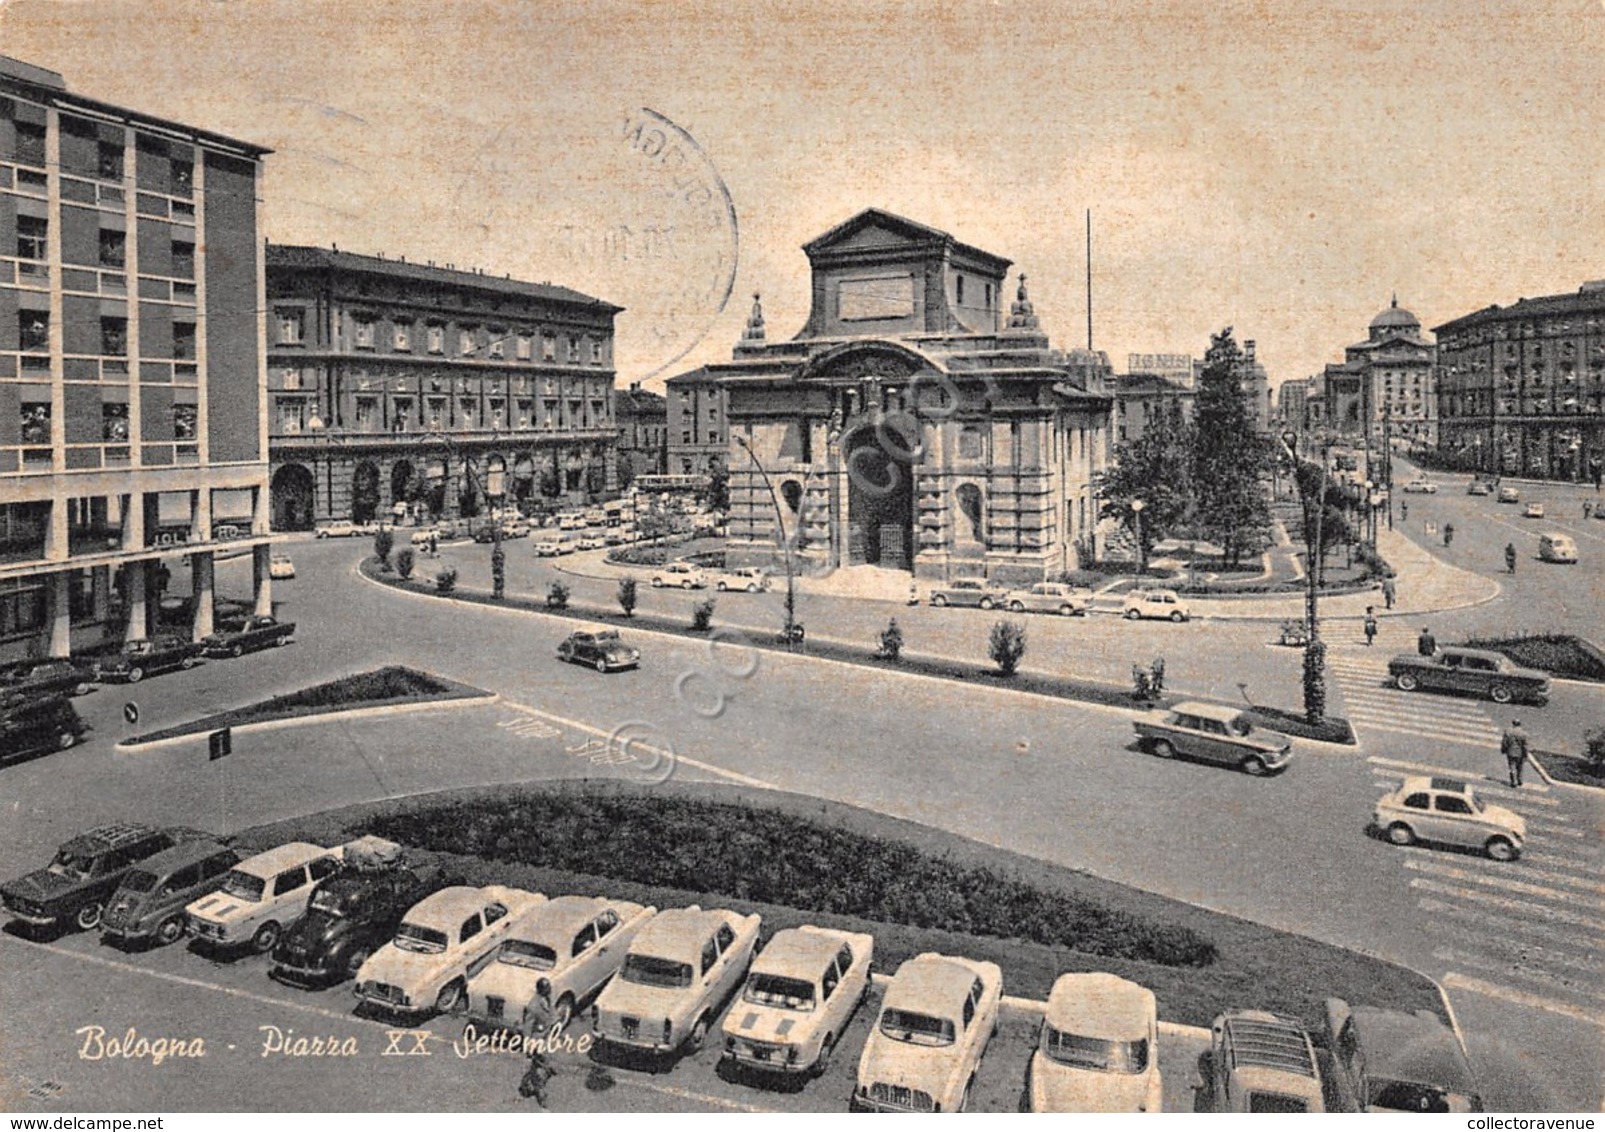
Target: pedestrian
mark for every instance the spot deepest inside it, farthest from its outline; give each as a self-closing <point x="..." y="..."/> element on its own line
<point x="539" y="1070"/>
<point x="1510" y="557"/>
<point x="1388" y="591"/>
<point x="1370" y="625"/>
<point x="1588" y="508"/>
<point x="1448" y="533"/>
<point x="434" y="544"/>
<point x="1426" y="643"/>
<point x="1513" y="745"/>
<point x="1404" y="509"/>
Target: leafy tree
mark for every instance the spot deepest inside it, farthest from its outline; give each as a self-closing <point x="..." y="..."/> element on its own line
<point x="1006" y="646"/>
<point x="1315" y="681"/>
<point x="717" y="493"/>
<point x="1156" y="467"/>
<point x="702" y="615"/>
<point x="1230" y="458"/>
<point x="404" y="562"/>
<point x="892" y="640"/>
<point x="498" y="572"/>
<point x="626" y="471"/>
<point x="384" y="541"/>
<point x="627" y="595"/>
<point x="446" y="580"/>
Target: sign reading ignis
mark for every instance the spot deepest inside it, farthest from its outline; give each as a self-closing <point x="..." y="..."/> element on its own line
<point x="1162" y="364"/>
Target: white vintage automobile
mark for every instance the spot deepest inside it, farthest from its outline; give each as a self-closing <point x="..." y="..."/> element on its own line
<point x="556" y="959"/>
<point x="261" y="896"/>
<point x="444" y="940"/>
<point x="800" y="995"/>
<point x="1099" y="1048"/>
<point x="939" y="1013"/>
<point x="680" y="968"/>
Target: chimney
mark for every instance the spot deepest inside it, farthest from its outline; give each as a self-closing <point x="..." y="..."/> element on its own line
<point x="1248" y="349"/>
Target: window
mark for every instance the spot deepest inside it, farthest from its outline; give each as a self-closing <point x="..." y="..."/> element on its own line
<point x="494" y="912"/>
<point x="114" y="423"/>
<point x="1445" y="804"/>
<point x="585" y="940"/>
<point x="113" y="248"/>
<point x="400" y="414"/>
<point x="989" y="296"/>
<point x="467" y="408"/>
<point x="292" y="415"/>
<point x="367" y="413"/>
<point x="363" y="334"/>
<point x="606" y="922"/>
<point x="713" y="438"/>
<point x="109" y="161"/>
<point x="292" y="327"/>
<point x="466" y="343"/>
<point x="33" y="237"/>
<point x="289" y="880"/>
<point x="437" y="339"/>
<point x="596" y="353"/>
<point x="183" y="259"/>
<point x="184" y="420"/>
<point x="401" y="337"/>
<point x="183" y="176"/>
<point x="498" y="343"/>
<point x="685" y="437"/>
<point x="725" y="937"/>
<point x="1417" y="801"/>
<point x="710" y="956"/>
<point x="471" y="927"/>
<point x="548" y="348"/>
<point x="36" y="422"/>
<point x="184" y="341"/>
<point x="525" y="348"/>
<point x="114" y="336"/>
<point x="961" y="290"/>
<point x="30" y="144"/>
<point x="573" y="349"/>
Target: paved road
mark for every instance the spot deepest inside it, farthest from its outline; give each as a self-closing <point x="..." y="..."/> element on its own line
<point x="1050" y="779"/>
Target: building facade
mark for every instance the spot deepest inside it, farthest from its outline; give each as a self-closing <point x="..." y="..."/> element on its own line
<point x="1292" y="403"/>
<point x="132" y="423"/>
<point x="1385" y="385"/>
<point x="643" y="420"/>
<point x="1141" y="398"/>
<point x="911" y="424"/>
<point x="1521" y="389"/>
<point x="699" y="416"/>
<point x="398" y="387"/>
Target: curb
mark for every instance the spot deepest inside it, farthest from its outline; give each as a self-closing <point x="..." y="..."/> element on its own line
<point x="1543" y="772"/>
<point x="317" y="717"/>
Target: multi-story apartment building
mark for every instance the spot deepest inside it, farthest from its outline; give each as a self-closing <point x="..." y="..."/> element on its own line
<point x="132" y="421"/>
<point x="643" y="420"/>
<point x="1521" y="389"/>
<point x="699" y="430"/>
<point x="397" y="387"/>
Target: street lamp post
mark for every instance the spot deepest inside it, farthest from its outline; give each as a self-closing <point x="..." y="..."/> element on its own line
<point x="791" y="627"/>
<point x="1137" y="506"/>
<point x="1314" y="650"/>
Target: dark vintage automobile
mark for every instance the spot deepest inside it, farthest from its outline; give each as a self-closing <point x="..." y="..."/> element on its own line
<point x="73" y="888"/>
<point x="38" y="724"/>
<point x="1477" y="672"/>
<point x="348" y="918"/>
<point x="254" y="633"/>
<point x="46" y="678"/>
<point x="1390" y="1061"/>
<point x="148" y="906"/>
<point x="600" y="648"/>
<point x="139" y="659"/>
<point x="177" y="611"/>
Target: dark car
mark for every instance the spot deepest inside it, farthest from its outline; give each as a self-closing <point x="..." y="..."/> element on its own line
<point x="73" y="888"/>
<point x="34" y="726"/>
<point x="1479" y="672"/>
<point x="1390" y="1061"/>
<point x="348" y="918"/>
<point x="600" y="648"/>
<point x="177" y="611"/>
<point x="47" y="677"/>
<point x="149" y="903"/>
<point x="258" y="632"/>
<point x="139" y="659"/>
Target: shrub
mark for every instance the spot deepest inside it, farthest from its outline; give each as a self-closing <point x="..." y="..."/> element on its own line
<point x="404" y="562"/>
<point x="1148" y="683"/>
<point x="702" y="615"/>
<point x="557" y="596"/>
<point x="892" y="640"/>
<point x="627" y="596"/>
<point x="384" y="541"/>
<point x="498" y="572"/>
<point x="1007" y="646"/>
<point x="446" y="580"/>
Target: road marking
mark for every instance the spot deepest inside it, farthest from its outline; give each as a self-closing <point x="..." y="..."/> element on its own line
<point x="1392" y="725"/>
<point x="1483" y="921"/>
<point x="1548" y="980"/>
<point x="690" y="1095"/>
<point x="1524" y="868"/>
<point x="1545" y="911"/>
<point x="1526" y="792"/>
<point x="1554" y="861"/>
<point x="1508" y="884"/>
<point x="1399" y="706"/>
<point x="1473" y="985"/>
<point x="1522" y="952"/>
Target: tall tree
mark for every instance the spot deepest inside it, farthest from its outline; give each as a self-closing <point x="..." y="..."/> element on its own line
<point x="1157" y="468"/>
<point x="1231" y="460"/>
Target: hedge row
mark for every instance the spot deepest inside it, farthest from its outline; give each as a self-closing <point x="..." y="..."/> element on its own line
<point x="1558" y="654"/>
<point x="750" y="854"/>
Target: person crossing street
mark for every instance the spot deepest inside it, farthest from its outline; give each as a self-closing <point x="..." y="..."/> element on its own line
<point x="1513" y="745"/>
<point x="1370" y="625"/>
<point x="1510" y="557"/>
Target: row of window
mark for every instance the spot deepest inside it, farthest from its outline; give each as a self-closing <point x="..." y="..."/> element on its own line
<point x="33" y="244"/>
<point x="36" y="417"/>
<point x="108" y="162"/>
<point x="294" y="415"/>
<point x="291" y="325"/>
<point x="1507" y="330"/>
<point x="33" y="335"/>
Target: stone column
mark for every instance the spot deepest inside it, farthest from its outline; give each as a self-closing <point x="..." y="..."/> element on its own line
<point x="61" y="613"/>
<point x="261" y="583"/>
<point x="201" y="588"/>
<point x="136" y="581"/>
<point x="101" y="576"/>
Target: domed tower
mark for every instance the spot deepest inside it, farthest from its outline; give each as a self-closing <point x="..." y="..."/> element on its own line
<point x="1393" y="321"/>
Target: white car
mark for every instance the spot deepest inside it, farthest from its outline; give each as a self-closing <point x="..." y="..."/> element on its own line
<point x="800" y="995"/>
<point x="554" y="960"/>
<point x="1421" y="487"/>
<point x="1099" y="1048"/>
<point x="548" y="546"/>
<point x="1533" y="510"/>
<point x="261" y="896"/>
<point x="681" y="574"/>
<point x="748" y="579"/>
<point x="939" y="1013"/>
<point x="592" y="541"/>
<point x="444" y="940"/>
<point x="1155" y="605"/>
<point x="422" y="535"/>
<point x="1047" y="597"/>
<point x="280" y="566"/>
<point x="335" y="528"/>
<point x="676" y="973"/>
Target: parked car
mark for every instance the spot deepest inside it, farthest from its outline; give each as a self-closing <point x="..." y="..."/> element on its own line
<point x="139" y="659"/>
<point x="591" y="541"/>
<point x="678" y="970"/>
<point x="257" y="633"/>
<point x="1478" y="671"/>
<point x="261" y="896"/>
<point x="548" y="546"/>
<point x="1048" y="597"/>
<point x="681" y="574"/>
<point x="1446" y="811"/>
<point x="280" y="567"/>
<point x="352" y="914"/>
<point x="748" y="579"/>
<point x="38" y="724"/>
<point x="31" y="679"/>
<point x="1390" y="1061"/>
<point x="976" y="593"/>
<point x="1533" y="510"/>
<point x="177" y="612"/>
<point x="1556" y="547"/>
<point x="149" y="903"/>
<point x="800" y="994"/>
<point x="1509" y="495"/>
<point x="599" y="647"/>
<point x="1479" y="487"/>
<point x="421" y="535"/>
<point x="1155" y="605"/>
<point x="1215" y="734"/>
<point x="1421" y="486"/>
<point x="1262" y="1062"/>
<point x="443" y="941"/>
<point x="485" y="532"/>
<point x="74" y="887"/>
<point x="1098" y="1049"/>
<point x="557" y="958"/>
<point x="515" y="528"/>
<point x="936" y="1020"/>
<point x="335" y="528"/>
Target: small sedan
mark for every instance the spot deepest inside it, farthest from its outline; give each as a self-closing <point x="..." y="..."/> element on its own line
<point x="592" y="542"/>
<point x="800" y="995"/>
<point x="973" y="592"/>
<point x="280" y="566"/>
<point x="1215" y="734"/>
<point x="140" y="659"/>
<point x="746" y="579"/>
<point x="600" y="648"/>
<point x="1533" y="510"/>
<point x="46" y="678"/>
<point x="1446" y="811"/>
<point x="1048" y="597"/>
<point x="257" y="633"/>
<point x="1421" y="487"/>
<point x="1479" y="672"/>
<point x="548" y="546"/>
<point x="1479" y="487"/>
<point x="1509" y="495"/>
<point x="1155" y="605"/>
<point x="1099" y="1048"/>
<point x="681" y="574"/>
<point x="335" y="528"/>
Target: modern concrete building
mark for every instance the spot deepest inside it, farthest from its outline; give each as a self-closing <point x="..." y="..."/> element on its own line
<point x="133" y="431"/>
<point x="643" y="420"/>
<point x="913" y="424"/>
<point x="397" y="386"/>
<point x="1521" y="389"/>
<point x="1385" y="385"/>
<point x="699" y="415"/>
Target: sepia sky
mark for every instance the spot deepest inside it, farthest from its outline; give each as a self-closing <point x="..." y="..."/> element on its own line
<point x="1282" y="167"/>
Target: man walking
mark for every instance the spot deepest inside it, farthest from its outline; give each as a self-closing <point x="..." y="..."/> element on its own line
<point x="1370" y="625"/>
<point x="1426" y="643"/>
<point x="1513" y="744"/>
<point x="1388" y="591"/>
<point x="1510" y="557"/>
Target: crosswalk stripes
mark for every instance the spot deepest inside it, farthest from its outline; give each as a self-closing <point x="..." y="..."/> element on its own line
<point x="1371" y="700"/>
<point x="1530" y="794"/>
<point x="1565" y="984"/>
<point x="1594" y="903"/>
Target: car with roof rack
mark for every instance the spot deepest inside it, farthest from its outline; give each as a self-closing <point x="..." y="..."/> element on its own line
<point x="800" y="995"/>
<point x="1098" y="1049"/>
<point x="74" y="887"/>
<point x="1261" y="1062"/>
